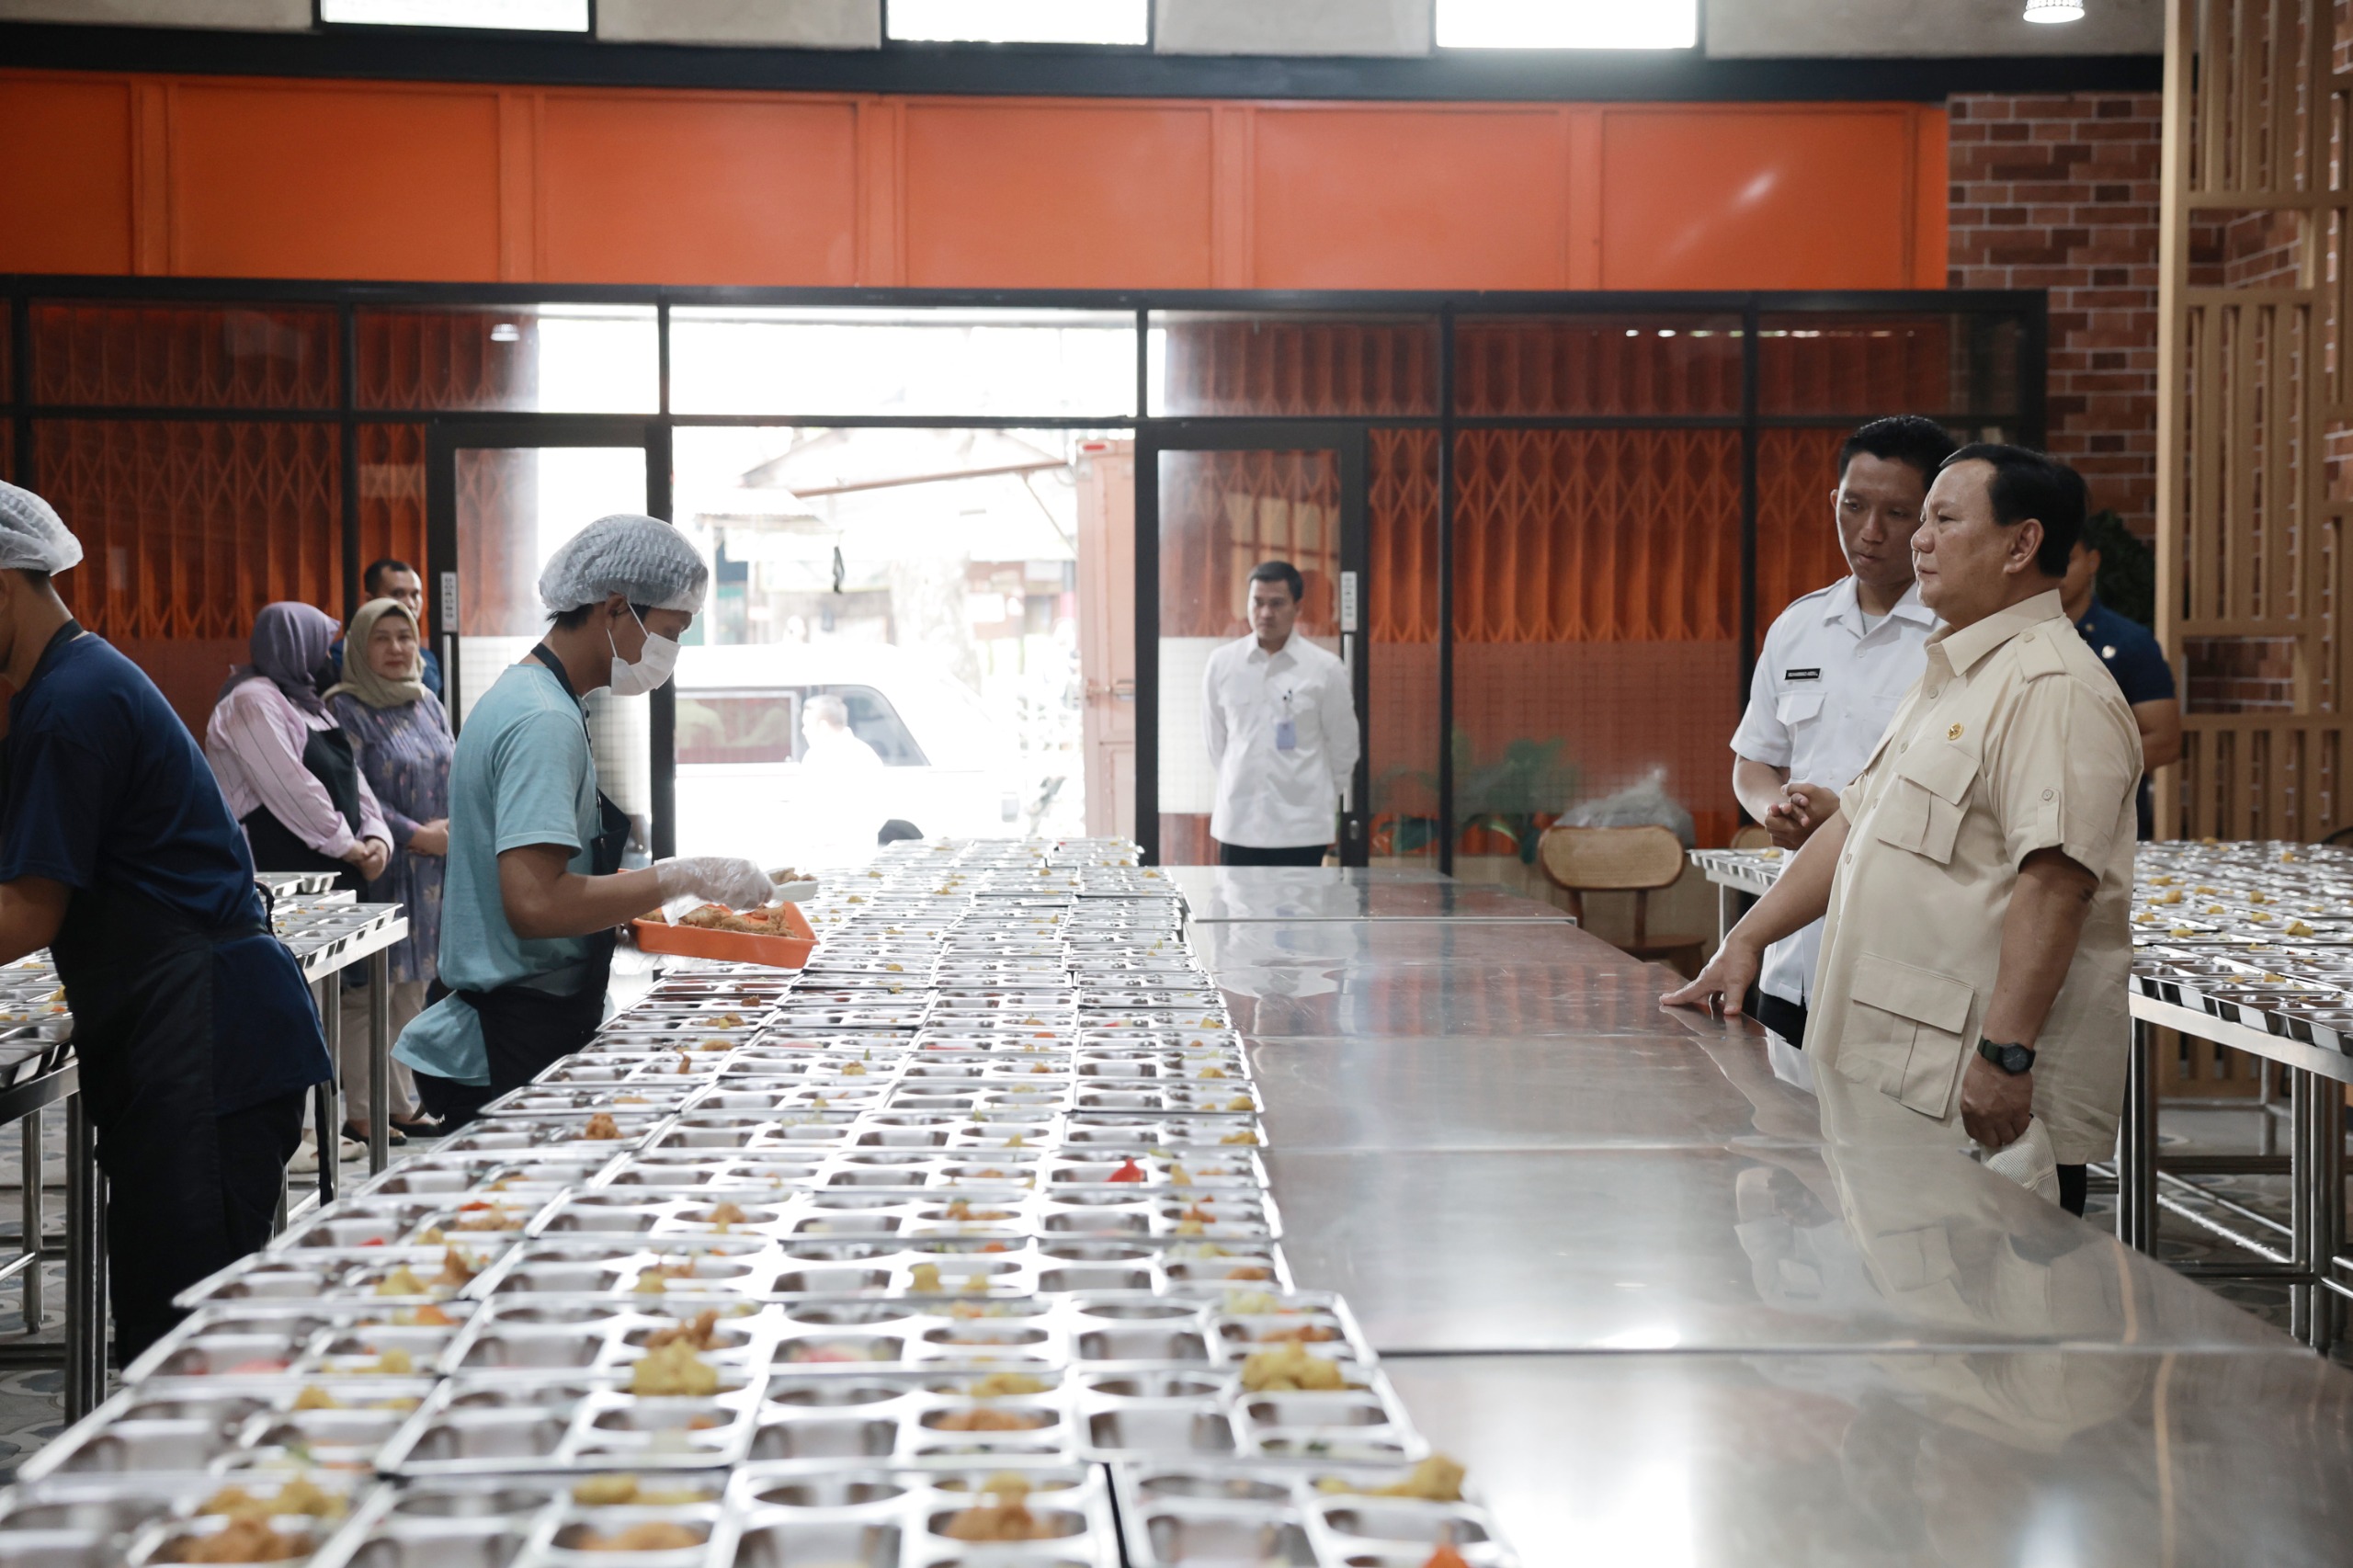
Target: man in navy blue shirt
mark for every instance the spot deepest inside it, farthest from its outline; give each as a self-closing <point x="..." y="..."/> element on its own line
<point x="194" y="1031"/>
<point x="390" y="579"/>
<point x="2132" y="656"/>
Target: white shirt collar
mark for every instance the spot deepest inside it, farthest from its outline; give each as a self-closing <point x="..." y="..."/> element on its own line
<point x="1843" y="602"/>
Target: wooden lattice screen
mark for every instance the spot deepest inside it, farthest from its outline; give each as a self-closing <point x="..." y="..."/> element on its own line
<point x="2253" y="396"/>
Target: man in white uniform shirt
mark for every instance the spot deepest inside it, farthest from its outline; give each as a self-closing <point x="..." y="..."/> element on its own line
<point x="1835" y="665"/>
<point x="1281" y="730"/>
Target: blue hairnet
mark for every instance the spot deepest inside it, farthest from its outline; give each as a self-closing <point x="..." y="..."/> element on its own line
<point x="644" y="558"/>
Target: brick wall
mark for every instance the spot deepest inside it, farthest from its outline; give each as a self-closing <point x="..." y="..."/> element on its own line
<point x="2060" y="192"/>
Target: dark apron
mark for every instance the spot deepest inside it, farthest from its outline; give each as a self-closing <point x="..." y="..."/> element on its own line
<point x="528" y="1024"/>
<point x="190" y="1046"/>
<point x="327" y="755"/>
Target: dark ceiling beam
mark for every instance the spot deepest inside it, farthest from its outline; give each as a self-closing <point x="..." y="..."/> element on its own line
<point x="1005" y="70"/>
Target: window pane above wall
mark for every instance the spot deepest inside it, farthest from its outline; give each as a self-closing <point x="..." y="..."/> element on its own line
<point x="995" y="364"/>
<point x="1265" y="364"/>
<point x="524" y="359"/>
<point x="1020" y="21"/>
<point x="1549" y="24"/>
<point x="183" y="356"/>
<point x="1597" y="365"/>
<point x="509" y="15"/>
<point x="1866" y="365"/>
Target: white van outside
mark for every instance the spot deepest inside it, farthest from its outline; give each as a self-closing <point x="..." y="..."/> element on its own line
<point x="741" y="786"/>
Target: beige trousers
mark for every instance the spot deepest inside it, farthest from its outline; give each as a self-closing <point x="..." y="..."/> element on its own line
<point x="408" y="1001"/>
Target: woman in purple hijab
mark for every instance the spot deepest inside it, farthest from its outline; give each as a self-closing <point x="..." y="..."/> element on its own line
<point x="286" y="765"/>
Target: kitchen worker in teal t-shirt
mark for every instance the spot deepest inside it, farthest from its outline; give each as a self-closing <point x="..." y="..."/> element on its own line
<point x="534" y="887"/>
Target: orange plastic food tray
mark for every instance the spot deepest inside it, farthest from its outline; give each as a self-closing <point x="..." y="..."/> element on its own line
<point x="656" y="935"/>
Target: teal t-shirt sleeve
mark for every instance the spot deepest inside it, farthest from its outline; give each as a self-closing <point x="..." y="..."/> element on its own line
<point x="537" y="777"/>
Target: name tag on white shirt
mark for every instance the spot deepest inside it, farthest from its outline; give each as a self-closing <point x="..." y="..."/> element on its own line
<point x="1286" y="736"/>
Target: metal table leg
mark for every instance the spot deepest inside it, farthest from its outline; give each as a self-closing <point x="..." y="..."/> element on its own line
<point x="2136" y="1162"/>
<point x="327" y="1100"/>
<point x="1727" y="910"/>
<point x="34" y="1223"/>
<point x="86" y="1268"/>
<point x="380" y="1060"/>
<point x="2328" y="1206"/>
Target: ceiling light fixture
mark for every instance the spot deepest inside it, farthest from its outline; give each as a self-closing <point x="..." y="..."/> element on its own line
<point x="2054" y="10"/>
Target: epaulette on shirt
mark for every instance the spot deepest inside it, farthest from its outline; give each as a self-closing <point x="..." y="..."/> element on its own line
<point x="2039" y="653"/>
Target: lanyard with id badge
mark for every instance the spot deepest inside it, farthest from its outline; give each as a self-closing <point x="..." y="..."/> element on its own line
<point x="1286" y="730"/>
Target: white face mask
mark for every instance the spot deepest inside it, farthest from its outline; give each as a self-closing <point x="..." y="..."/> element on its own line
<point x="652" y="667"/>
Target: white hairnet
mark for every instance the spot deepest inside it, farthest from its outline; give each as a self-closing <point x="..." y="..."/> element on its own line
<point x="644" y="558"/>
<point x="33" y="538"/>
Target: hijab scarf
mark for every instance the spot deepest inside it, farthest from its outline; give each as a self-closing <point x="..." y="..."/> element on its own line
<point x="359" y="677"/>
<point x="289" y="650"/>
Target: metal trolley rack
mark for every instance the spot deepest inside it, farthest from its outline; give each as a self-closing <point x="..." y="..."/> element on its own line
<point x="2308" y="1253"/>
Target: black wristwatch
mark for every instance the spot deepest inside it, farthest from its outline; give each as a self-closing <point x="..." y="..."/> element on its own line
<point x="2011" y="1058"/>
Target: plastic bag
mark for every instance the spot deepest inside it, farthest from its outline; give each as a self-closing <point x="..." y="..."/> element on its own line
<point x="1646" y="804"/>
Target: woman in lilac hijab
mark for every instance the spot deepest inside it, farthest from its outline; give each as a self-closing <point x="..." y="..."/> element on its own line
<point x="286" y="765"/>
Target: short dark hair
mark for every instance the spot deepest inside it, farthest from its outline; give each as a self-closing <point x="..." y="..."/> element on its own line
<point x="1281" y="572"/>
<point x="2027" y="483"/>
<point x="376" y="570"/>
<point x="1900" y="438"/>
<point x="573" y="619"/>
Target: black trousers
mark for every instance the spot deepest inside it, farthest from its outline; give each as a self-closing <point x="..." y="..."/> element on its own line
<point x="185" y="1200"/>
<point x="1288" y="855"/>
<point x="1784" y="1018"/>
<point x="2074" y="1186"/>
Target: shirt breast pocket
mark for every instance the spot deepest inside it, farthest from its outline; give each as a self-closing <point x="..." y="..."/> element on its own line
<point x="1926" y="799"/>
<point x="1797" y="707"/>
<point x="1911" y="1024"/>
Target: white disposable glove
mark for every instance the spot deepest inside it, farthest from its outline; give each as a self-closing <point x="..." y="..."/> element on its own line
<point x="738" y="884"/>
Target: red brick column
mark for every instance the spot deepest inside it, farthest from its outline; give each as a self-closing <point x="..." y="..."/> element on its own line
<point x="2060" y="192"/>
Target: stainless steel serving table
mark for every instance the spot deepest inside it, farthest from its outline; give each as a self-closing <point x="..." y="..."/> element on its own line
<point x="1616" y="1269"/>
<point x="2308" y="1253"/>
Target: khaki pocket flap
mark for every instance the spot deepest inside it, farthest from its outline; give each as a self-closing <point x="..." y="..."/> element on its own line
<point x="1922" y="995"/>
<point x="1941" y="768"/>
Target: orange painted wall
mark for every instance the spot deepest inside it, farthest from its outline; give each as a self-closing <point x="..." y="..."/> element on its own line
<point x="220" y="177"/>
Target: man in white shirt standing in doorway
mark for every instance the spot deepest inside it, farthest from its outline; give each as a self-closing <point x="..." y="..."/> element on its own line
<point x="1282" y="727"/>
<point x="1834" y="666"/>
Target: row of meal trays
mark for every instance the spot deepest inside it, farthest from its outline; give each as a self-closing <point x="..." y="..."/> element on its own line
<point x="1008" y="1090"/>
<point x="1115" y="1136"/>
<point x="1141" y="1174"/>
<point x="1150" y="1514"/>
<point x="2281" y="1001"/>
<point x="366" y="1337"/>
<point x="485" y="1264"/>
<point x="1128" y="1057"/>
<point x="678" y="1213"/>
<point x="951" y="1414"/>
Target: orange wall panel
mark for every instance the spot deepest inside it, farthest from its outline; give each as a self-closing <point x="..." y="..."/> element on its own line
<point x="1809" y="196"/>
<point x="1036" y="195"/>
<point x="698" y="189"/>
<point x="65" y="176"/>
<point x="1409" y="197"/>
<point x="335" y="180"/>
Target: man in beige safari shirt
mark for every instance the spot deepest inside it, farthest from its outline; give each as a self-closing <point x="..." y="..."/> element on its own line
<point x="1977" y="876"/>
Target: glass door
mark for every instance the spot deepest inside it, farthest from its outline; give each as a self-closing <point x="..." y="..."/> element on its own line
<point x="1212" y="502"/>
<point x="500" y="497"/>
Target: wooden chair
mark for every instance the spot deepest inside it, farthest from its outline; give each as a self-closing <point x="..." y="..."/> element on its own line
<point x="1640" y="860"/>
<point x="1750" y="835"/>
